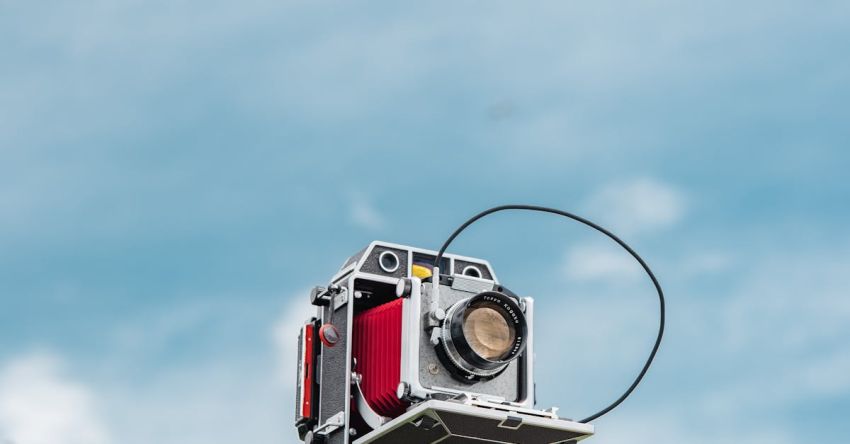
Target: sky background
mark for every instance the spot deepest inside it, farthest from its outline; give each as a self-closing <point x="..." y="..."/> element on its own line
<point x="176" y="175"/>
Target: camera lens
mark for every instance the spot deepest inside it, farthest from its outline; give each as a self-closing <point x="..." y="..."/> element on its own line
<point x="488" y="333"/>
<point x="482" y="335"/>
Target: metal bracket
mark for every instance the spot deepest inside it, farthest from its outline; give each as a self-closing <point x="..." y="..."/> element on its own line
<point x="435" y="291"/>
<point x="332" y="424"/>
<point x="371" y="417"/>
<point x="474" y="401"/>
<point x="340" y="299"/>
<point x="471" y="284"/>
<point x="333" y="295"/>
<point x="511" y="422"/>
<point x="436" y="332"/>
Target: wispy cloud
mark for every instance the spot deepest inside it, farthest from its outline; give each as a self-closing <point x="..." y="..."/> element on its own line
<point x="782" y="330"/>
<point x="40" y="405"/>
<point x="285" y="334"/>
<point x="632" y="207"/>
<point x="220" y="400"/>
<point x="595" y="262"/>
<point x="637" y="206"/>
<point x="668" y="426"/>
<point x="708" y="262"/>
<point x="364" y="214"/>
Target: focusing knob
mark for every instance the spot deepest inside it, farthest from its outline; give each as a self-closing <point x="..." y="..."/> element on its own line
<point x="403" y="390"/>
<point x="403" y="288"/>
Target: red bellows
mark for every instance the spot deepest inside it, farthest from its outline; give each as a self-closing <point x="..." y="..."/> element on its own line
<point x="377" y="349"/>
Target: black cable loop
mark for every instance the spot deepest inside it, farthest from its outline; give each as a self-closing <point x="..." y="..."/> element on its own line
<point x="613" y="237"/>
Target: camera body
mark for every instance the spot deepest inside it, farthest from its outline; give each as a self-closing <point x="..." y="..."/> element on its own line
<point x="399" y="352"/>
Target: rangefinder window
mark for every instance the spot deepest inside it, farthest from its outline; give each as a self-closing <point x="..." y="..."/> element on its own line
<point x="388" y="261"/>
<point x="472" y="271"/>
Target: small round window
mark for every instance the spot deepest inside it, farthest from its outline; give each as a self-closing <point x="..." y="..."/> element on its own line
<point x="388" y="261"/>
<point x="472" y="271"/>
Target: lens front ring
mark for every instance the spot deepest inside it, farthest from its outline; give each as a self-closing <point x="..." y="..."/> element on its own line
<point x="460" y="342"/>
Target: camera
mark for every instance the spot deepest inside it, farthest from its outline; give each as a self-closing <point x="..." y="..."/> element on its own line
<point x="415" y="346"/>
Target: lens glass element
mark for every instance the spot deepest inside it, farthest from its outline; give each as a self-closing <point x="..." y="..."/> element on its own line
<point x="488" y="332"/>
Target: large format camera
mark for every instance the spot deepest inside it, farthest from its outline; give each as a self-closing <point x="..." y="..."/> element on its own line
<point x="416" y="346"/>
<point x="421" y="359"/>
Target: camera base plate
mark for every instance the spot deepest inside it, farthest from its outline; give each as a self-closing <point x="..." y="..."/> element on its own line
<point x="450" y="422"/>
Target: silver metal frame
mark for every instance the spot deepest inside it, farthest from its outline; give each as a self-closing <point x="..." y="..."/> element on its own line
<point x="411" y="320"/>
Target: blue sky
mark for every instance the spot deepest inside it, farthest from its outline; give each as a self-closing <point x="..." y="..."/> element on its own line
<point x="174" y="177"/>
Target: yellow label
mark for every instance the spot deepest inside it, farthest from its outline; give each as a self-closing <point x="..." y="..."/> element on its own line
<point x="422" y="272"/>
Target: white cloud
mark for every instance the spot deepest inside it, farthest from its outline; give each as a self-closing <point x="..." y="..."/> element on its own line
<point x="825" y="376"/>
<point x="364" y="214"/>
<point x="783" y="329"/>
<point x="637" y="206"/>
<point x="710" y="262"/>
<point x="589" y="345"/>
<point x="673" y="427"/>
<point x="784" y="297"/>
<point x="595" y="262"/>
<point x="285" y="333"/>
<point x="799" y="381"/>
<point x="38" y="405"/>
<point x="779" y="332"/>
<point x="211" y="401"/>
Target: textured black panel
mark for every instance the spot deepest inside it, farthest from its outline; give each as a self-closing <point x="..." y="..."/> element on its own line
<point x="370" y="265"/>
<point x="465" y="425"/>
<point x="464" y="440"/>
<point x="408" y="433"/>
<point x="333" y="372"/>
<point x="460" y="265"/>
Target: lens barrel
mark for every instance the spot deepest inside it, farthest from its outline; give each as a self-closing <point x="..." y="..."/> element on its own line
<point x="481" y="335"/>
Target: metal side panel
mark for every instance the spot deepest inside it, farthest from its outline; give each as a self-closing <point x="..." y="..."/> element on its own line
<point x="335" y="370"/>
<point x="453" y="423"/>
<point x="509" y="386"/>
